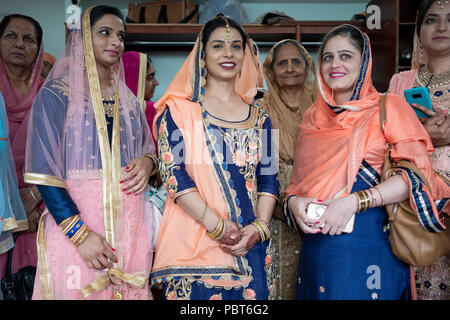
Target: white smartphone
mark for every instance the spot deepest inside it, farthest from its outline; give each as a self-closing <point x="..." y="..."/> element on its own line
<point x="315" y="211"/>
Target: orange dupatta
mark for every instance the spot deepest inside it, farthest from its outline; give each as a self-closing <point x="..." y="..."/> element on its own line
<point x="197" y="255"/>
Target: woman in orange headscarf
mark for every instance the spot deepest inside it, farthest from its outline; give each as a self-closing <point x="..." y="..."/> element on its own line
<point x="215" y="148"/>
<point x="339" y="156"/>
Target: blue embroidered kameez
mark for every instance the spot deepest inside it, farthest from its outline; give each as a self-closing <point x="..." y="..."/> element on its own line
<point x="250" y="174"/>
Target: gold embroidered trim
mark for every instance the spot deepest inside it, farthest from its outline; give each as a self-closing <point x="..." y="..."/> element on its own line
<point x="11" y="224"/>
<point x="44" y="179"/>
<point x="142" y="76"/>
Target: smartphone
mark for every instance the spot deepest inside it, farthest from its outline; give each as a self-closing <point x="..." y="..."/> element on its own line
<point x="419" y="95"/>
<point x="315" y="211"/>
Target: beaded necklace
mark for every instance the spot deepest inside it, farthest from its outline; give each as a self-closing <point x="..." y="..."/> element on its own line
<point x="430" y="80"/>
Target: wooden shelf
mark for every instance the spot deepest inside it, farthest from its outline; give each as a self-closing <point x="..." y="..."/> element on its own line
<point x="163" y="36"/>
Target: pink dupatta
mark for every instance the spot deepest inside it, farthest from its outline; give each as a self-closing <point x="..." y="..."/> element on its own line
<point x="18" y="109"/>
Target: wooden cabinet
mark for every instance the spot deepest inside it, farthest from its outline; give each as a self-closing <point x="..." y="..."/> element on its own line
<point x="392" y="44"/>
<point x="182" y="36"/>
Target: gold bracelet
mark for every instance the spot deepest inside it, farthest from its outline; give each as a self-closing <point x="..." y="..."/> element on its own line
<point x="219" y="229"/>
<point x="83" y="236"/>
<point x="203" y="214"/>
<point x="263" y="229"/>
<point x="382" y="199"/>
<point x="155" y="163"/>
<point x="363" y="200"/>
<point x="373" y="202"/>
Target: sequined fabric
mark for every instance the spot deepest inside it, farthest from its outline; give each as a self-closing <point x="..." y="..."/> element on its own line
<point x="286" y="244"/>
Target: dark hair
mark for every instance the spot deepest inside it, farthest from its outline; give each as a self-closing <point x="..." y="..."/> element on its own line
<point x="221" y="21"/>
<point x="346" y="30"/>
<point x="99" y="11"/>
<point x="281" y="45"/>
<point x="37" y="27"/>
<point x="149" y="61"/>
<point x="423" y="9"/>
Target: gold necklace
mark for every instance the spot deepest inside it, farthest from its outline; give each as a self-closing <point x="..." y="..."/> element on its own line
<point x="430" y="80"/>
<point x="108" y="105"/>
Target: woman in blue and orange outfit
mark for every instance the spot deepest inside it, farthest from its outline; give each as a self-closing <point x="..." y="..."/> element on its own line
<point x="215" y="147"/>
<point x="339" y="157"/>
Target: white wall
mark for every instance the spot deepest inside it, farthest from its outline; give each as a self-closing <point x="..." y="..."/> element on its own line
<point x="51" y="15"/>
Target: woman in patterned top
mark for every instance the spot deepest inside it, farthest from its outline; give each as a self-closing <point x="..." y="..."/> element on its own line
<point x="219" y="169"/>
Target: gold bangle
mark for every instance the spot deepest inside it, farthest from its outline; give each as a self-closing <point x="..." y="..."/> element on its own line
<point x="219" y="228"/>
<point x="83" y="236"/>
<point x="263" y="229"/>
<point x="155" y="163"/>
<point x="382" y="199"/>
<point x="363" y="200"/>
<point x="203" y="214"/>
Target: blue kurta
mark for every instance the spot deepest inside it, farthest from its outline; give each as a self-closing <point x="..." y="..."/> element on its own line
<point x="353" y="266"/>
<point x="248" y="156"/>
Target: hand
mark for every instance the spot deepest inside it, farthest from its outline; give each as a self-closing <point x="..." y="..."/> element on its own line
<point x="137" y="175"/>
<point x="437" y="126"/>
<point x="249" y="239"/>
<point x="337" y="215"/>
<point x="298" y="207"/>
<point x="96" y="252"/>
<point x="232" y="233"/>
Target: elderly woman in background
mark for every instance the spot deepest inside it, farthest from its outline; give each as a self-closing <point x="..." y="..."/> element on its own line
<point x="21" y="55"/>
<point x="431" y="69"/>
<point x="290" y="78"/>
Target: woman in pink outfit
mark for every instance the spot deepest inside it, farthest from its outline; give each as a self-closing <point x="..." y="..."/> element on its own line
<point x="21" y="56"/>
<point x="90" y="151"/>
<point x="431" y="69"/>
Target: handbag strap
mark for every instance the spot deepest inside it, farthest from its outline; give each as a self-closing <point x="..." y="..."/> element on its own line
<point x="402" y="163"/>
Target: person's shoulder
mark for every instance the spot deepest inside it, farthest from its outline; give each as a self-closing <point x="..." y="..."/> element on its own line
<point x="59" y="86"/>
<point x="404" y="75"/>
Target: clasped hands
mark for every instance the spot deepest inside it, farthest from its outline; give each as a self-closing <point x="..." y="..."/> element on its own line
<point x="238" y="241"/>
<point x="332" y="222"/>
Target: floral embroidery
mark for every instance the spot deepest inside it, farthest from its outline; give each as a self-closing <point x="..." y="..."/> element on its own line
<point x="166" y="165"/>
<point x="179" y="288"/>
<point x="269" y="267"/>
<point x="374" y="295"/>
<point x="249" y="294"/>
<point x="322" y="289"/>
<point x="216" y="297"/>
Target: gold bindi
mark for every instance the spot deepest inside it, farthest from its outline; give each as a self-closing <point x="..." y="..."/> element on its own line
<point x="227" y="33"/>
<point x="442" y="3"/>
